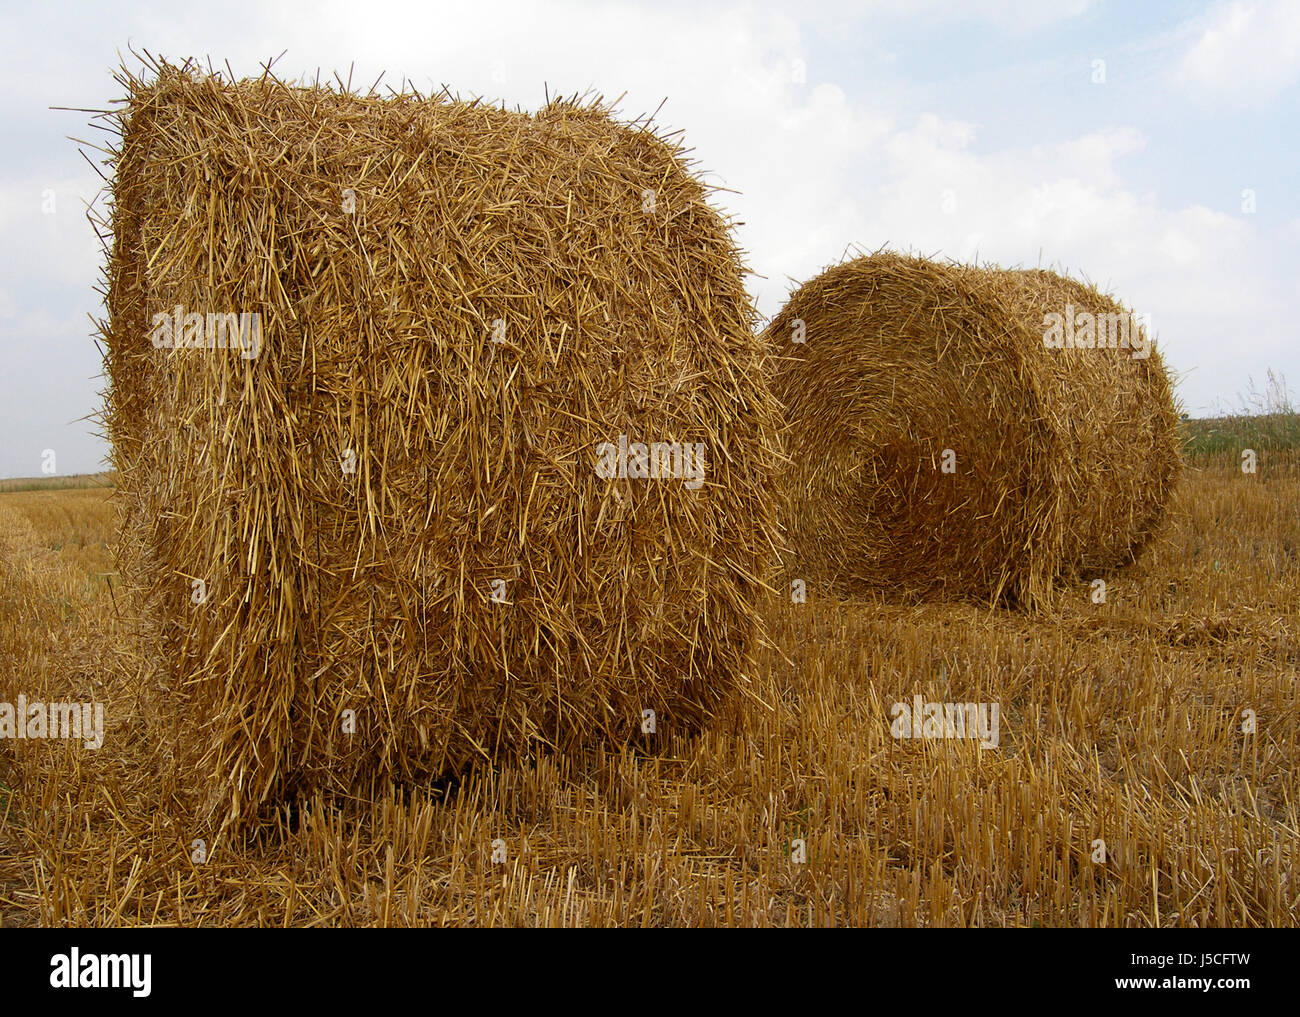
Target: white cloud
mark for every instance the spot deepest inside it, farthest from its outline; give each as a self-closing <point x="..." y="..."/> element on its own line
<point x="1247" y="53"/>
<point x="48" y="215"/>
<point x="818" y="164"/>
<point x="1209" y="279"/>
<point x="1017" y="16"/>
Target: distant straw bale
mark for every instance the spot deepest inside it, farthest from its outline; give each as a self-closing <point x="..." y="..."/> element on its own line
<point x="1123" y="437"/>
<point x="369" y="514"/>
<point x="939" y="447"/>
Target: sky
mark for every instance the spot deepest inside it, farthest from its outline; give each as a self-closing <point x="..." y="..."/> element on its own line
<point x="1149" y="148"/>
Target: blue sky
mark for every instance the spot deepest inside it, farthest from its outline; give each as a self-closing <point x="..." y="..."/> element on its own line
<point x="961" y="130"/>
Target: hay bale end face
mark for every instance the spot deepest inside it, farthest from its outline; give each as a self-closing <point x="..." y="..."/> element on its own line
<point x="939" y="447"/>
<point x="367" y="357"/>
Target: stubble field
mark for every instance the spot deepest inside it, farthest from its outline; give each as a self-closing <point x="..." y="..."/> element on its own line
<point x="1127" y="787"/>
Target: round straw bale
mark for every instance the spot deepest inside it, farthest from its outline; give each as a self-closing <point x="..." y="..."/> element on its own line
<point x="938" y="447"/>
<point x="1118" y="406"/>
<point x="411" y="553"/>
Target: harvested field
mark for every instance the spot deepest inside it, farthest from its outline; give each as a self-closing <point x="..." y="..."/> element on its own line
<point x="443" y="574"/>
<point x="1120" y="722"/>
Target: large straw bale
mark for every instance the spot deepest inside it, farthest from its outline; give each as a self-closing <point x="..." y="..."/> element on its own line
<point x="1122" y="441"/>
<point x="940" y="448"/>
<point x="355" y="495"/>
